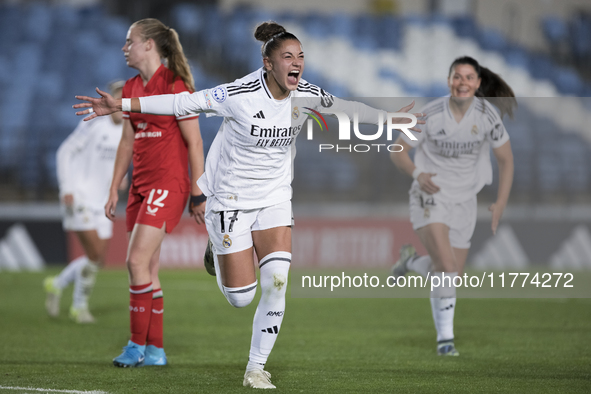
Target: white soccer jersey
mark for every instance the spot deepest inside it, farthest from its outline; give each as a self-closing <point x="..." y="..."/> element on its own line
<point x="249" y="162"/>
<point x="459" y="153"/>
<point x="85" y="162"/>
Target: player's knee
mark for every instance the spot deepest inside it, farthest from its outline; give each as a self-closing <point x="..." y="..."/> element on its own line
<point x="240" y="297"/>
<point x="135" y="265"/>
<point x="274" y="269"/>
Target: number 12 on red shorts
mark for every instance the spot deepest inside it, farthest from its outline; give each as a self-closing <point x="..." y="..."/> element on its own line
<point x="154" y="208"/>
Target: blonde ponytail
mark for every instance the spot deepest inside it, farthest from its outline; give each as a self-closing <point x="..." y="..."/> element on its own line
<point x="169" y="47"/>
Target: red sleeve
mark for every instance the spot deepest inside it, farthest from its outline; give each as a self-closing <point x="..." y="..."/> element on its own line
<point x="125" y="93"/>
<point x="180" y="87"/>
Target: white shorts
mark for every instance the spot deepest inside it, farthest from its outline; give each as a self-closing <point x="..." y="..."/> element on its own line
<point x="460" y="217"/>
<point x="85" y="219"/>
<point x="230" y="231"/>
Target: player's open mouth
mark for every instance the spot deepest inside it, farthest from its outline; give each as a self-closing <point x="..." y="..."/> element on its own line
<point x="293" y="76"/>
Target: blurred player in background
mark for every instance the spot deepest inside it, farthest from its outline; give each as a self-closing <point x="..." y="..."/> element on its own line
<point x="85" y="163"/>
<point x="248" y="177"/>
<point x="162" y="148"/>
<point x="451" y="166"/>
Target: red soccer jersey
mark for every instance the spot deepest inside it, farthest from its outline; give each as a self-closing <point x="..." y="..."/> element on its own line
<point x="160" y="155"/>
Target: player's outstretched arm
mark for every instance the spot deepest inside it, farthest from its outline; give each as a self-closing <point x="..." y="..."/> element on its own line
<point x="98" y="106"/>
<point x="419" y="115"/>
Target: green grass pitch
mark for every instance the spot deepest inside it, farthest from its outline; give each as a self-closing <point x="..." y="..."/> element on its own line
<point x="325" y="345"/>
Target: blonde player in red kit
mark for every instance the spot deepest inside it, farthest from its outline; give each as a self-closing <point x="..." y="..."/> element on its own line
<point x="162" y="147"/>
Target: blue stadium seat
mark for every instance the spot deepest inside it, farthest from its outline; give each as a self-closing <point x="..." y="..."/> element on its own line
<point x="342" y="25"/>
<point x="389" y="32"/>
<point x="555" y="30"/>
<point x="465" y="26"/>
<point x="581" y="36"/>
<point x="188" y="17"/>
<point x="492" y="40"/>
<point x="66" y="18"/>
<point x="11" y="30"/>
<point x="50" y="86"/>
<point x="541" y="67"/>
<point x="568" y="82"/>
<point x="114" y="31"/>
<point x="574" y="163"/>
<point x="110" y="66"/>
<point x="517" y="57"/>
<point x="38" y="23"/>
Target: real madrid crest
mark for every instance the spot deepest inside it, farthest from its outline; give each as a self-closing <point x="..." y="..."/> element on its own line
<point x="295" y="113"/>
<point x="227" y="242"/>
<point x="427" y="213"/>
<point x="474" y="130"/>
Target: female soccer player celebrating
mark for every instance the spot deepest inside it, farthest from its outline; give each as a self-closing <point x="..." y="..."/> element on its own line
<point x="450" y="167"/>
<point x="247" y="178"/>
<point x="85" y="163"/>
<point x="162" y="148"/>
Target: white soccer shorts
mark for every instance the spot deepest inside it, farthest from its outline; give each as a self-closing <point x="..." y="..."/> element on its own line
<point x="459" y="217"/>
<point x="81" y="218"/>
<point x="230" y="231"/>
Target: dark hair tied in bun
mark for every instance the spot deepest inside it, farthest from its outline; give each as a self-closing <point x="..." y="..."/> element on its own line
<point x="272" y="35"/>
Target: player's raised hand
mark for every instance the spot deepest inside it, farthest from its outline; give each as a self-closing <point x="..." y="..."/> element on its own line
<point x="419" y="115"/>
<point x="426" y="183"/>
<point x="97" y="106"/>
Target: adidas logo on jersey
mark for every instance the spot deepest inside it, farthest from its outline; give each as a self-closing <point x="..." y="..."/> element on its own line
<point x="441" y="132"/>
<point x="259" y="115"/>
<point x="271" y="330"/>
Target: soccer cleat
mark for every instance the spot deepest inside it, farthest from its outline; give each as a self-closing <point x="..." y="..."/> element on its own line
<point x="258" y="379"/>
<point x="407" y="252"/>
<point x="132" y="356"/>
<point x="53" y="296"/>
<point x="81" y="315"/>
<point x="208" y="259"/>
<point x="154" y="356"/>
<point x="447" y="348"/>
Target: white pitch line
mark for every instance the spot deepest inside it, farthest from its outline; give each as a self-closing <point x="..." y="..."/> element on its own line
<point x="52" y="390"/>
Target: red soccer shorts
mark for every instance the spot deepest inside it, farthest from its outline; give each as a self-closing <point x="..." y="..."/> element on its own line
<point x="154" y="208"/>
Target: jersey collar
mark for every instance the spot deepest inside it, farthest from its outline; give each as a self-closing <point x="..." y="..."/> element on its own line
<point x="467" y="114"/>
<point x="153" y="81"/>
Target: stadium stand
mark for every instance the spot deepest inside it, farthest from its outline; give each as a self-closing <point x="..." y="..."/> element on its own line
<point x="48" y="54"/>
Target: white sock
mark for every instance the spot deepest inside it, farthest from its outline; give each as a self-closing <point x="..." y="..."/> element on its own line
<point x="422" y="265"/>
<point x="84" y="283"/>
<point x="443" y="305"/>
<point x="68" y="274"/>
<point x="274" y="269"/>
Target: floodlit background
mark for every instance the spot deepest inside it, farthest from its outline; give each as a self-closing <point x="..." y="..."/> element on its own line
<point x="50" y="51"/>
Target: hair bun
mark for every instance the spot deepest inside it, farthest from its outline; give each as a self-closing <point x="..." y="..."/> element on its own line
<point x="266" y="30"/>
